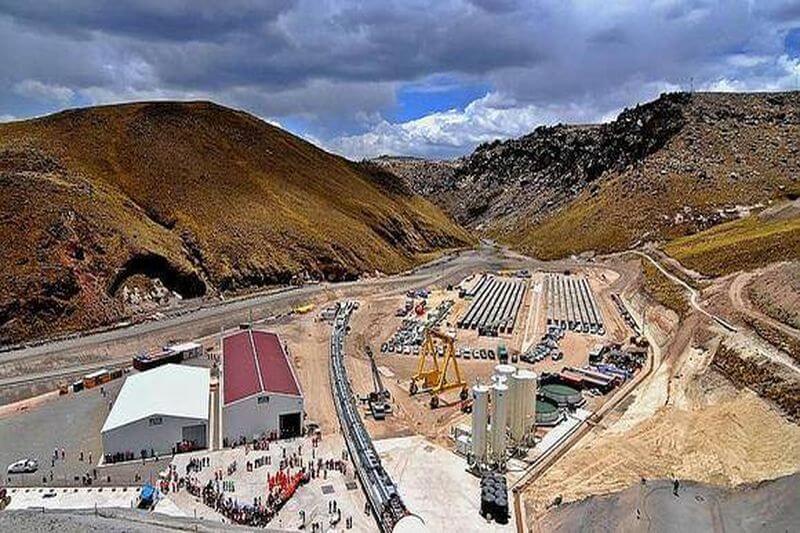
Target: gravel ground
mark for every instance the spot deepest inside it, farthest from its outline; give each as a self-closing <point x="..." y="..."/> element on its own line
<point x="71" y="422"/>
<point x="107" y="521"/>
<point x="766" y="507"/>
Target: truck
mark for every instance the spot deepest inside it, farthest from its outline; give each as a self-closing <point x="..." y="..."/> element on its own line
<point x="502" y="353"/>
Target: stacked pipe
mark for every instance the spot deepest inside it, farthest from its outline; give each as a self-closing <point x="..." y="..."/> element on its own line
<point x="495" y="306"/>
<point x="572" y="304"/>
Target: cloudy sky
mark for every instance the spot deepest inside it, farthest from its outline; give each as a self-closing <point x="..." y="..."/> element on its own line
<point x="430" y="78"/>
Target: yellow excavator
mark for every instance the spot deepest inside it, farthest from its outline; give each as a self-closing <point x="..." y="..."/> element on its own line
<point x="432" y="376"/>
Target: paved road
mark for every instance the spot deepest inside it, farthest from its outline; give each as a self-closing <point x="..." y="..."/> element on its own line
<point x="32" y="369"/>
<point x="117" y="345"/>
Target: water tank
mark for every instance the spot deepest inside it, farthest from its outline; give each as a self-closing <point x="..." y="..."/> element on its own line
<point x="524" y="422"/>
<point x="480" y="419"/>
<point x="499" y="416"/>
<point x="410" y="524"/>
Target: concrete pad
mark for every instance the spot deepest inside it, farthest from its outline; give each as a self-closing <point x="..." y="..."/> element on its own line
<point x="435" y="485"/>
<point x="83" y="498"/>
<point x="313" y="498"/>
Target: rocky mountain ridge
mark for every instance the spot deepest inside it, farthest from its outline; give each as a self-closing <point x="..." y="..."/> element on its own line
<point x="670" y="167"/>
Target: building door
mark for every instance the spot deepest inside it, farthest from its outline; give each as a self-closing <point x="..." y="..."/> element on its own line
<point x="289" y="425"/>
<point x="195" y="434"/>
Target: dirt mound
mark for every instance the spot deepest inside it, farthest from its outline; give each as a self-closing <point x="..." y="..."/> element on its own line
<point x="777" y="293"/>
<point x="735" y="441"/>
<point x="201" y="197"/>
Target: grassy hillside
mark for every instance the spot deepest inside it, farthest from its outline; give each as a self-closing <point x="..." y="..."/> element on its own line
<point x="744" y="244"/>
<point x="664" y="290"/>
<point x="202" y="197"/>
<point x="718" y="153"/>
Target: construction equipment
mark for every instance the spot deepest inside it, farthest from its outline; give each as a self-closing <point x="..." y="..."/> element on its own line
<point x="379" y="407"/>
<point x="433" y="377"/>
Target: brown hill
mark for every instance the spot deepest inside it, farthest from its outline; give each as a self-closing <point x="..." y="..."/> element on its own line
<point x="669" y="168"/>
<point x="205" y="199"/>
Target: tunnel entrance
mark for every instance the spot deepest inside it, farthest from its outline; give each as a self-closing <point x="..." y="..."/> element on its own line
<point x="154" y="266"/>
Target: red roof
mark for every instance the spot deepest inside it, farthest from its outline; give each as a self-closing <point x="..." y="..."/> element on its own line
<point x="255" y="362"/>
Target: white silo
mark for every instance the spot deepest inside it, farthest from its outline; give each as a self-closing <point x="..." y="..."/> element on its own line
<point x="498" y="379"/>
<point x="504" y="370"/>
<point x="503" y="374"/>
<point x="515" y="401"/>
<point x="499" y="416"/>
<point x="480" y="420"/>
<point x="523" y="424"/>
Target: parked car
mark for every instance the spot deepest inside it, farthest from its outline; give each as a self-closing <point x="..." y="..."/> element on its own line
<point x="514" y="358"/>
<point x="23" y="466"/>
<point x="490" y="353"/>
<point x="467" y="353"/>
<point x="482" y="354"/>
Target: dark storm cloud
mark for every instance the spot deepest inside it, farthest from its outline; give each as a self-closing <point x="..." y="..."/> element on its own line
<point x="340" y="63"/>
<point x="171" y="20"/>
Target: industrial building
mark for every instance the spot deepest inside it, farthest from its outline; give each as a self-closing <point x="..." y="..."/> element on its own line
<point x="157" y="412"/>
<point x="260" y="392"/>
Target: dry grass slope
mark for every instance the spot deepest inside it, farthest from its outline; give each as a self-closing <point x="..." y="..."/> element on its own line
<point x="664" y="290"/>
<point x="206" y="198"/>
<point x="744" y="244"/>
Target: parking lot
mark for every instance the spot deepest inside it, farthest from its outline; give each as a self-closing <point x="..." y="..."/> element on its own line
<point x="72" y="423"/>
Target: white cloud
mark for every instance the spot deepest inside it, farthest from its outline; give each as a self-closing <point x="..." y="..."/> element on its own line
<point x="493" y="116"/>
<point x="44" y="92"/>
<point x="444" y="132"/>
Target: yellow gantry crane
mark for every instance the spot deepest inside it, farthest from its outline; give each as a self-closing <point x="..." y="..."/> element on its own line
<point x="432" y="376"/>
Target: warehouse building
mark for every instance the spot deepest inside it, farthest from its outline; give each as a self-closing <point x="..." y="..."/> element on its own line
<point x="157" y="412"/>
<point x="260" y="392"/>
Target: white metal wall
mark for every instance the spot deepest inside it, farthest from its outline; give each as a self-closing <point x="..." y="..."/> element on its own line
<point x="248" y="418"/>
<point x="141" y="435"/>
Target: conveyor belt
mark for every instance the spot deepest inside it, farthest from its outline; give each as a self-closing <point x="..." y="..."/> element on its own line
<point x="379" y="488"/>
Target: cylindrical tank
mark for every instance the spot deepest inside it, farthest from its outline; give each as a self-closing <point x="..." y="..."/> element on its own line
<point x="515" y="394"/>
<point x="480" y="420"/>
<point x="499" y="416"/>
<point x="502" y="374"/>
<point x="523" y="424"/>
<point x="499" y="380"/>
<point x="504" y="370"/>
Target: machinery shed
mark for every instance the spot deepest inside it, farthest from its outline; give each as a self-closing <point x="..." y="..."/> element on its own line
<point x="260" y="392"/>
<point x="157" y="412"/>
